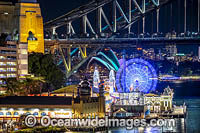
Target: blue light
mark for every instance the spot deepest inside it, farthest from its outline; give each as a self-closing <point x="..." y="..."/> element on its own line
<point x="138" y="74"/>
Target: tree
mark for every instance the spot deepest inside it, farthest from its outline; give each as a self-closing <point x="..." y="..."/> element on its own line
<point x="43" y="66"/>
<point x="12" y="86"/>
<point x="23" y="87"/>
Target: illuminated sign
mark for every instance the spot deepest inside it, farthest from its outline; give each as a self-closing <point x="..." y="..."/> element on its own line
<point x="61" y="114"/>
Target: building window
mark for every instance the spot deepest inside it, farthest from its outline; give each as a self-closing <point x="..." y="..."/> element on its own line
<point x="11" y="63"/>
<point x="24" y="61"/>
<point x="166" y="103"/>
<point x="11" y="69"/>
<point x="8" y="113"/>
<point x="11" y="75"/>
<point x="2" y="57"/>
<point x="24" y="72"/>
<point x="24" y="51"/>
<point x="2" y="70"/>
<point x="16" y="113"/>
<point x="28" y="113"/>
<point x="35" y="113"/>
<point x="2" y="64"/>
<point x="43" y="114"/>
<point x="2" y="76"/>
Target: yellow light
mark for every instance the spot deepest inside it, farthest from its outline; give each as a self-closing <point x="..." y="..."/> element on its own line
<point x="31" y="21"/>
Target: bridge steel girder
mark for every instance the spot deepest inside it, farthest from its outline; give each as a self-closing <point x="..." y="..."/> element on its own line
<point x="70" y="29"/>
<point x="185" y="16"/>
<point x="66" y="57"/>
<point x="83" y="52"/>
<point x="75" y="68"/>
<point x="198" y="15"/>
<point x="123" y="42"/>
<point x="67" y="63"/>
<point x="114" y="26"/>
<point x="157" y="20"/>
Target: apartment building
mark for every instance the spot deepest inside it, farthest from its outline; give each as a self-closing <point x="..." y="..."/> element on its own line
<point x="13" y="60"/>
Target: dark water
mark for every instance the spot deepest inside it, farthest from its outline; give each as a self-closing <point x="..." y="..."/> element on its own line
<point x="182" y="89"/>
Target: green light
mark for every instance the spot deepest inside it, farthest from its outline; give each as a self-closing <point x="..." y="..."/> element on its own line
<point x="180" y="54"/>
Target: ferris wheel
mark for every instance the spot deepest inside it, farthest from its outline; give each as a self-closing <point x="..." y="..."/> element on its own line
<point x="136" y="75"/>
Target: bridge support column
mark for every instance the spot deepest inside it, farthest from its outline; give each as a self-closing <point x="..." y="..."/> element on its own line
<point x="185" y="16"/>
<point x="84" y="24"/>
<point x="157" y="18"/>
<point x="99" y="21"/>
<point x="171" y="17"/>
<point x="69" y="58"/>
<point x="67" y="62"/>
<point x="179" y="14"/>
<point x="68" y="28"/>
<point x="130" y="17"/>
<point x="83" y="52"/>
<point x="114" y="17"/>
<point x="53" y="33"/>
<point x="143" y="22"/>
<point x="198" y="15"/>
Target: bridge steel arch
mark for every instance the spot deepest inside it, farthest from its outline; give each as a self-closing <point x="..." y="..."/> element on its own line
<point x="120" y="19"/>
<point x="125" y="20"/>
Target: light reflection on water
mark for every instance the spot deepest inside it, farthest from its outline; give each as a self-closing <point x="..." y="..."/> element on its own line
<point x="192" y="123"/>
<point x="179" y="128"/>
<point x="189" y="125"/>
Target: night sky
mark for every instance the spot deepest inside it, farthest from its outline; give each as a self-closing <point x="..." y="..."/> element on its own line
<point x="55" y="8"/>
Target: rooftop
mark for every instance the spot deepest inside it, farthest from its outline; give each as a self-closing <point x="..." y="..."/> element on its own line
<point x="28" y="1"/>
<point x="35" y="100"/>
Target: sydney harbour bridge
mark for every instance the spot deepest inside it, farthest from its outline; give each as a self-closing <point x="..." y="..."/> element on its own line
<point x="119" y="24"/>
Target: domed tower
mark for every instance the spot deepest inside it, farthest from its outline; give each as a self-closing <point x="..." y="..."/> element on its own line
<point x="84" y="89"/>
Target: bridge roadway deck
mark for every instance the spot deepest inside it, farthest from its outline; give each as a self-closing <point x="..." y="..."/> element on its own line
<point x="121" y="42"/>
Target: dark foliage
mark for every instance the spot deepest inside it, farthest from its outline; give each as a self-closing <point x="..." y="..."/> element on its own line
<point x="43" y="65"/>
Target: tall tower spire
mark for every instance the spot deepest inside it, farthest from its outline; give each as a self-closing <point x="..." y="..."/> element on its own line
<point x="111" y="81"/>
<point x="96" y="78"/>
<point x="101" y="101"/>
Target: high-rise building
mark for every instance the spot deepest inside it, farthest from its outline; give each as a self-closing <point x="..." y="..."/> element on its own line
<point x="24" y="21"/>
<point x="13" y="60"/>
<point x="172" y="50"/>
<point x="30" y="25"/>
<point x="6" y="17"/>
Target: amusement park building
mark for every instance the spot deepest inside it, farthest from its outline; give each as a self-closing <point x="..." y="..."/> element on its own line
<point x="138" y="103"/>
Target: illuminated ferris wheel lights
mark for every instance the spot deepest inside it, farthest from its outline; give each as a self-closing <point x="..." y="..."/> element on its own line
<point x="137" y="74"/>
